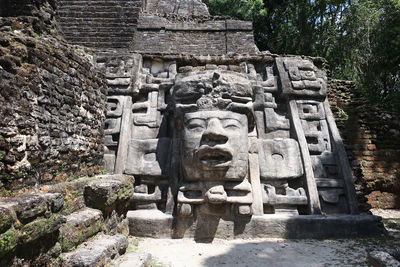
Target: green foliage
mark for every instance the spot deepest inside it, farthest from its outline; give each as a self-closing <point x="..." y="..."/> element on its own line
<point x="343" y="114"/>
<point x="359" y="38"/>
<point x="381" y="73"/>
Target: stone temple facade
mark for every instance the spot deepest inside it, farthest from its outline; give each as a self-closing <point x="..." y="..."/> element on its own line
<point x="221" y="139"/>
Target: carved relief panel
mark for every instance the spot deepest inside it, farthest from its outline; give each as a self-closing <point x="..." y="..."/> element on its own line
<point x="250" y="138"/>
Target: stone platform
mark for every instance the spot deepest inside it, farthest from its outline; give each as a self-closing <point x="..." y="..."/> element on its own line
<point x="153" y="223"/>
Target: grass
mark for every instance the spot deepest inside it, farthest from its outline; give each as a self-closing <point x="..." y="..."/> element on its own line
<point x="156" y="263"/>
<point x="133" y="245"/>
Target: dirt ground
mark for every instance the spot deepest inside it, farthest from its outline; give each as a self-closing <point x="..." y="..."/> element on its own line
<point x="268" y="251"/>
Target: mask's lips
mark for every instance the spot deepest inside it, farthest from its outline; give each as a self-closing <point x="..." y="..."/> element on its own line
<point x="214" y="157"/>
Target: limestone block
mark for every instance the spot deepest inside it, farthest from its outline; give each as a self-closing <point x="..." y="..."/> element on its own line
<point x="280" y="159"/>
<point x="148" y="157"/>
<point x="41" y="227"/>
<point x="384" y="258"/>
<point x="109" y="192"/>
<point x="29" y="232"/>
<point x="97" y="252"/>
<point x="6" y="219"/>
<point x="27" y="207"/>
<point x="300" y="77"/>
<point x="55" y="201"/>
<point x="30" y="206"/>
<point x="79" y="226"/>
<point x="150" y="223"/>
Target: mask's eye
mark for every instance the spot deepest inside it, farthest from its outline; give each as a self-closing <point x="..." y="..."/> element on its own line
<point x="195" y="124"/>
<point x="231" y="124"/>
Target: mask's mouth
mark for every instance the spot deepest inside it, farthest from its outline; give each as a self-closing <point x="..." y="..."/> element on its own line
<point x="214" y="157"/>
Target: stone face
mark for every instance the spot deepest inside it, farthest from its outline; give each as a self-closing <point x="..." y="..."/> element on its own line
<point x="214" y="143"/>
<point x="214" y="146"/>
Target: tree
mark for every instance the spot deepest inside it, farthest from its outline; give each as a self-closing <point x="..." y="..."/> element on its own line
<point x="359" y="38"/>
<point x="381" y="73"/>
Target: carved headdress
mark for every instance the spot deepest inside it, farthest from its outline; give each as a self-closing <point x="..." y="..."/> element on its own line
<point x="213" y="90"/>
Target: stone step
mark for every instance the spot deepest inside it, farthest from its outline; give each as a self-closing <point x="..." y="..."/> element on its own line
<point x="102" y="13"/>
<point x="95" y="14"/>
<point x="103" y="44"/>
<point x="96" y="252"/>
<point x="77" y="39"/>
<point x="98" y="28"/>
<point x="136" y="259"/>
<point x="89" y="24"/>
<point x="101" y="34"/>
<point x="79" y="226"/>
<point x="96" y="2"/>
<point x="150" y="223"/>
<point x="91" y="9"/>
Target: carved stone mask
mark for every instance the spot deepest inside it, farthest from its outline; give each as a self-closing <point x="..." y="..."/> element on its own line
<point x="214" y="114"/>
<point x="214" y="146"/>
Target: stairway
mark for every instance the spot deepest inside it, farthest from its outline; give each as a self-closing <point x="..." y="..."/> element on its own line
<point x="98" y="23"/>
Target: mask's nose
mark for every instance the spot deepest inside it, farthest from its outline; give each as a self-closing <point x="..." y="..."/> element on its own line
<point x="214" y="134"/>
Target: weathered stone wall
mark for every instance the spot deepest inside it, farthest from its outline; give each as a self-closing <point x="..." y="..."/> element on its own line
<point x="12" y="8"/>
<point x="183" y="8"/>
<point x="100" y="24"/>
<point x="372" y="139"/>
<point x="167" y="34"/>
<point x="165" y="27"/>
<point x="52" y="106"/>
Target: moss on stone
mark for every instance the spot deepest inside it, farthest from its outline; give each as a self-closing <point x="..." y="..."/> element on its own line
<point x="109" y="192"/>
<point x="9" y="241"/>
<point x="72" y="237"/>
<point x="40" y="227"/>
<point x="6" y="219"/>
